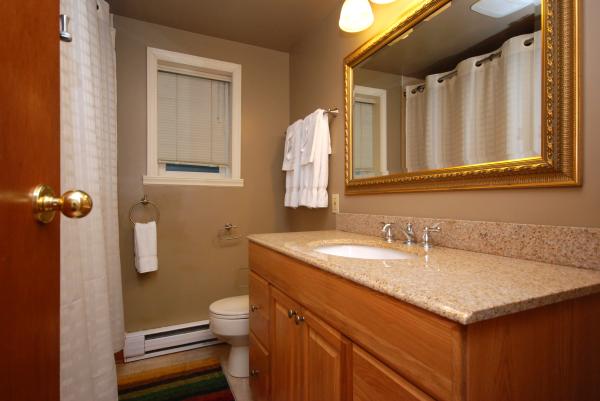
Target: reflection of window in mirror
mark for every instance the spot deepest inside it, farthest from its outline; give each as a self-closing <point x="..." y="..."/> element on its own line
<point x="370" y="132"/>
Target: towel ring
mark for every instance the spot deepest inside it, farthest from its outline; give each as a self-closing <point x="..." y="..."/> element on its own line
<point x="144" y="202"/>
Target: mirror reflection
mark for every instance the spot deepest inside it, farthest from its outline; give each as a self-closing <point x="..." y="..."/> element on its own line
<point x="462" y="87"/>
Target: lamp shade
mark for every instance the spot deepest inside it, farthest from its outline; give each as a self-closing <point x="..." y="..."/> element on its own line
<point x="382" y="1"/>
<point x="356" y="15"/>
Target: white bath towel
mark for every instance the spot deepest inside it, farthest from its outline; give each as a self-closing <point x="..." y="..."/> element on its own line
<point x="144" y="238"/>
<point x="291" y="164"/>
<point x="314" y="159"/>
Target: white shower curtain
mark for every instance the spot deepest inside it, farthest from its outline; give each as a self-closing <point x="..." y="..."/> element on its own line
<point x="485" y="112"/>
<point x="416" y="146"/>
<point x="91" y="299"/>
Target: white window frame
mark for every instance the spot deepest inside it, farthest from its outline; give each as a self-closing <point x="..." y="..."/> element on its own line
<point x="382" y="95"/>
<point x="154" y="173"/>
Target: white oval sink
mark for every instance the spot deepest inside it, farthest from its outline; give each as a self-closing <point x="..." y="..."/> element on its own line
<point x="364" y="252"/>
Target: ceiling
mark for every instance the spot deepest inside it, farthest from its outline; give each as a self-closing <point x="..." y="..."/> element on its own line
<point x="274" y="24"/>
<point x="454" y="35"/>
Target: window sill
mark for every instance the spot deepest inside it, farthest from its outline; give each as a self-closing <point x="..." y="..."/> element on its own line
<point x="210" y="182"/>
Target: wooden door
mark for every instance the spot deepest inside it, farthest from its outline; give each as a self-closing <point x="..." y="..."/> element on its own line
<point x="326" y="355"/>
<point x="286" y="349"/>
<point x="29" y="155"/>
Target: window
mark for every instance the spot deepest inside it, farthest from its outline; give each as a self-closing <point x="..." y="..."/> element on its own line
<point x="369" y="132"/>
<point x="194" y="120"/>
<point x="364" y="162"/>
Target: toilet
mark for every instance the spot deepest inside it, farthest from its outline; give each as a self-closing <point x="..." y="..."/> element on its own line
<point x="229" y="322"/>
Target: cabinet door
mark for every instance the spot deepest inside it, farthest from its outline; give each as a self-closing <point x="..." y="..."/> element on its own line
<point x="373" y="381"/>
<point x="259" y="308"/>
<point x="326" y="368"/>
<point x="286" y="349"/>
<point x="259" y="370"/>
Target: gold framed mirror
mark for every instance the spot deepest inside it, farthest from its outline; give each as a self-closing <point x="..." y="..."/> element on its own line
<point x="465" y="94"/>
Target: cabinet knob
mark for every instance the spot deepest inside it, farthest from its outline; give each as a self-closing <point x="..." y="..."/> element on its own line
<point x="254" y="372"/>
<point x="254" y="308"/>
<point x="292" y="313"/>
<point x="299" y="319"/>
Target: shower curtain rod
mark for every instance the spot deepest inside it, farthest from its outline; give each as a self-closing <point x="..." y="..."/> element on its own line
<point x="478" y="63"/>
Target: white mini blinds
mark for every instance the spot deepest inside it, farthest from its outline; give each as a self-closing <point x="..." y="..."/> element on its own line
<point x="194" y="120"/>
<point x="363" y="139"/>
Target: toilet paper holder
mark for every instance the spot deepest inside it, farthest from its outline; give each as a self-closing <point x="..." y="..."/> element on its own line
<point x="227" y="233"/>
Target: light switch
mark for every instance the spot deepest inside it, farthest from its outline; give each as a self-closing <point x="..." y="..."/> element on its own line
<point x="335" y="203"/>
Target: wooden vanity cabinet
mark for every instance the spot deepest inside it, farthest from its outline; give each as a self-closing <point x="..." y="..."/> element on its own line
<point x="259" y="370"/>
<point x="372" y="380"/>
<point x="260" y="311"/>
<point x="308" y="356"/>
<point x="286" y="349"/>
<point x="329" y="339"/>
<point x="260" y="307"/>
<point x="326" y="359"/>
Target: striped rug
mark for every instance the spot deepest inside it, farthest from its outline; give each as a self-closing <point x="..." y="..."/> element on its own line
<point x="202" y="380"/>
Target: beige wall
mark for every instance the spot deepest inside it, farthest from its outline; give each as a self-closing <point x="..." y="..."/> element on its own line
<point x="316" y="73"/>
<point x="194" y="268"/>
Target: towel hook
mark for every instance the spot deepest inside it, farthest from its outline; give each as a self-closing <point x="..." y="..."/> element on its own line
<point x="65" y="36"/>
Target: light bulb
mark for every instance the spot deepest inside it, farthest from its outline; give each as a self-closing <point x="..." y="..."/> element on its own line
<point x="382" y="1"/>
<point x="356" y="15"/>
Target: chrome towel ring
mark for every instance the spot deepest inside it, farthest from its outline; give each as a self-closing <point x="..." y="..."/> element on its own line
<point x="144" y="202"/>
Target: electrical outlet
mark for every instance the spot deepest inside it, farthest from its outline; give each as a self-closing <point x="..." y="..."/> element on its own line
<point x="335" y="203"/>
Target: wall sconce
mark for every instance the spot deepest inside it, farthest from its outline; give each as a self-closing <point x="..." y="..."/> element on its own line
<point x="357" y="15"/>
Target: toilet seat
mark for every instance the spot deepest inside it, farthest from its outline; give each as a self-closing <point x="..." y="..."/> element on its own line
<point x="231" y="308"/>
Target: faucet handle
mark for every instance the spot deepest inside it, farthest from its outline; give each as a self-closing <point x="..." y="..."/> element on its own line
<point x="435" y="228"/>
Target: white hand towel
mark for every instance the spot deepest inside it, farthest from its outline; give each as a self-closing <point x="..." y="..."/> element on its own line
<point x="291" y="164"/>
<point x="315" y="160"/>
<point x="289" y="150"/>
<point x="309" y="137"/>
<point x="322" y="174"/>
<point x="144" y="238"/>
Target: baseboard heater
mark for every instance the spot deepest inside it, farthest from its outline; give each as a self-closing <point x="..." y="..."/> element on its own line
<point x="166" y="340"/>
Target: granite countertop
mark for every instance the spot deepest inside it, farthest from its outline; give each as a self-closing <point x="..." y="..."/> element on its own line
<point x="462" y="286"/>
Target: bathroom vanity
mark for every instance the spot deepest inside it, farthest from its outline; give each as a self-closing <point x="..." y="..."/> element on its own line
<point x="445" y="325"/>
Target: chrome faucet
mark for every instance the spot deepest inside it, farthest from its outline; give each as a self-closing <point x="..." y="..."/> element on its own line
<point x="387" y="232"/>
<point x="409" y="233"/>
<point x="427" y="235"/>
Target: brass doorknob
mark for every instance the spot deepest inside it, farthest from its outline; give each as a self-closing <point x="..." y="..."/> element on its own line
<point x="73" y="204"/>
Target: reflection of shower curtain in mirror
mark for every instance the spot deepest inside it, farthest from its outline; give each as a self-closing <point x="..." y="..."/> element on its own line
<point x="484" y="113"/>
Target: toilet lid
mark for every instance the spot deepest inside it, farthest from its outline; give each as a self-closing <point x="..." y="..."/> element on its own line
<point x="234" y="306"/>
